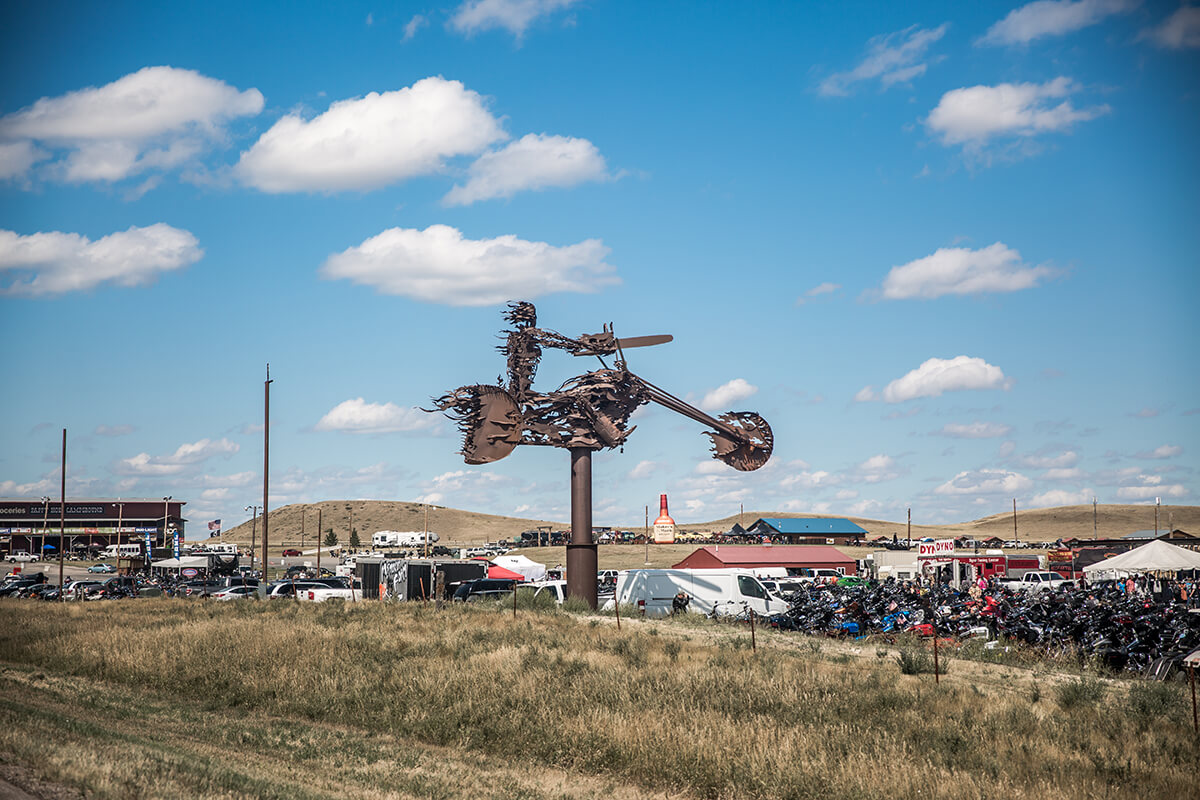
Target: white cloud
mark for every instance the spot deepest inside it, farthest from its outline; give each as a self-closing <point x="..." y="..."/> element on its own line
<point x="1178" y="31"/>
<point x="864" y="507"/>
<point x="938" y="375"/>
<point x="985" y="481"/>
<point x="186" y="455"/>
<point x="727" y="394"/>
<point x="357" y="416"/>
<point x="437" y="265"/>
<point x="845" y="494"/>
<point x="866" y="394"/>
<point x="819" y="289"/>
<point x="113" y="430"/>
<point x="894" y="58"/>
<point x="154" y="118"/>
<point x="515" y="16"/>
<point x="16" y="158"/>
<point x="55" y="263"/>
<point x="1149" y="489"/>
<point x="809" y="480"/>
<point x="371" y="141"/>
<point x="533" y="162"/>
<point x="1052" y="18"/>
<point x="1061" y="497"/>
<point x="1067" y="458"/>
<point x="1062" y="474"/>
<point x="646" y="469"/>
<point x="876" y="469"/>
<point x="975" y="430"/>
<point x="1163" y="451"/>
<point x="972" y="115"/>
<point x="413" y="25"/>
<point x="960" y="271"/>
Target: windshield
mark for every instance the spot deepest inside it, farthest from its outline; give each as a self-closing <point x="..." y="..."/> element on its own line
<point x="750" y="587"/>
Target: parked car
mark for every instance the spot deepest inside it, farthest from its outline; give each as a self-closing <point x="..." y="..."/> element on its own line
<point x="200" y="588"/>
<point x="21" y="555"/>
<point x="291" y="552"/>
<point x="316" y="591"/>
<point x="235" y="593"/>
<point x="483" y="589"/>
<point x="103" y="568"/>
<point x="555" y="590"/>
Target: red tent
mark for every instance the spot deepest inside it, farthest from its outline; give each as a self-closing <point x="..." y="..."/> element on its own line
<point x="497" y="571"/>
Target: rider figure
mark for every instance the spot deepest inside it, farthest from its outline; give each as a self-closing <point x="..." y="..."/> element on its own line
<point x="679" y="603"/>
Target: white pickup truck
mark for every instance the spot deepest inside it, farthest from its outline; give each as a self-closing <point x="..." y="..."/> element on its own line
<point x="316" y="592"/>
<point x="1038" y="582"/>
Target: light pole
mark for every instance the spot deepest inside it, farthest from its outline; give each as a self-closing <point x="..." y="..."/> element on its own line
<point x="253" y="535"/>
<point x="120" y="521"/>
<point x="166" y="521"/>
<point x="45" y="522"/>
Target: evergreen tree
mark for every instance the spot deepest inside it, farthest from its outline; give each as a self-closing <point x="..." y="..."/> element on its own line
<point x="354" y="542"/>
<point x="331" y="539"/>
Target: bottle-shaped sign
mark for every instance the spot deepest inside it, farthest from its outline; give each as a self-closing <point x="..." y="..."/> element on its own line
<point x="664" y="526"/>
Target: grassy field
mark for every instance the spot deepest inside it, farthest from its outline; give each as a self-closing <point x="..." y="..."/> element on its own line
<point x="167" y="698"/>
<point x="465" y="527"/>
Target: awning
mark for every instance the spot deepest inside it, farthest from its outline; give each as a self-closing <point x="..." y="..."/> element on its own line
<point x="497" y="571"/>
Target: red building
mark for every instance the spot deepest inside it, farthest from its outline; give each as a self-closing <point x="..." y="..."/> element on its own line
<point x="791" y="557"/>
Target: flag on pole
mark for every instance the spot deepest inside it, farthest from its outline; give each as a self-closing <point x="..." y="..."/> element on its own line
<point x="214" y="528"/>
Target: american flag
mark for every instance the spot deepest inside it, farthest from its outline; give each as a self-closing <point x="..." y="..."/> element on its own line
<point x="214" y="528"/>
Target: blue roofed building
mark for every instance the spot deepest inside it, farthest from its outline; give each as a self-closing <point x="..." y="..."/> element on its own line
<point x="820" y="530"/>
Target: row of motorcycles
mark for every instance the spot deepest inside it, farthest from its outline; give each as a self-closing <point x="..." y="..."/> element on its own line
<point x="1122" y="631"/>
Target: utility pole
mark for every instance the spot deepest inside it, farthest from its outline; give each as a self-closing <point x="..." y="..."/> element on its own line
<point x="1015" y="537"/>
<point x="1156" y="517"/>
<point x="1095" y="523"/>
<point x="350" y="525"/>
<point x="62" y="516"/>
<point x="646" y="536"/>
<point x="426" y="536"/>
<point x="908" y="533"/>
<point x="254" y="535"/>
<point x="302" y="530"/>
<point x="266" y="462"/>
<point x="45" y="521"/>
<point x="319" y="542"/>
<point x="120" y="520"/>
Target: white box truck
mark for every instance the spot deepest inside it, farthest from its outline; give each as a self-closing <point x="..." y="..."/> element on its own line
<point x="729" y="591"/>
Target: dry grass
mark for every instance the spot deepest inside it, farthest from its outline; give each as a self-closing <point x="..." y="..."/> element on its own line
<point x="465" y="527"/>
<point x="656" y="707"/>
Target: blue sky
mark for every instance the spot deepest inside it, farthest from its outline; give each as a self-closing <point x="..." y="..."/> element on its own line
<point x="947" y="250"/>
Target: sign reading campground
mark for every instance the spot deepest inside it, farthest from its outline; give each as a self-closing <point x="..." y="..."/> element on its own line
<point x="941" y="547"/>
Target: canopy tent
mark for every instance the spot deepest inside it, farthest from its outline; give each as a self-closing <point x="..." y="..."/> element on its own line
<point x="497" y="571"/>
<point x="1156" y="556"/>
<point x="177" y="564"/>
<point x="520" y="564"/>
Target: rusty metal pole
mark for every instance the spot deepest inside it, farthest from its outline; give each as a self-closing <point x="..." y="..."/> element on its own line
<point x="753" y="641"/>
<point x="1192" y="681"/>
<point x="582" y="559"/>
<point x="62" y="516"/>
<point x="320" y="543"/>
<point x="936" y="670"/>
<point x="266" y="463"/>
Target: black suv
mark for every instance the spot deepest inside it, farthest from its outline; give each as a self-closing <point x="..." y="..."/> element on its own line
<point x="483" y="589"/>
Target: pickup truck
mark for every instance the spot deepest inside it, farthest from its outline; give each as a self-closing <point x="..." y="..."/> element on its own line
<point x="1038" y="582"/>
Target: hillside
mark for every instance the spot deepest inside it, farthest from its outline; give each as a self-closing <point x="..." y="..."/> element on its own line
<point x="453" y="525"/>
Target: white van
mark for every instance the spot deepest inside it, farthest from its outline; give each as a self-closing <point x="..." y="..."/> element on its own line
<point x="728" y="590"/>
<point x="122" y="551"/>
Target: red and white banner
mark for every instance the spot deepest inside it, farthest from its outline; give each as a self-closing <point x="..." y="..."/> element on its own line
<point x="941" y="547"/>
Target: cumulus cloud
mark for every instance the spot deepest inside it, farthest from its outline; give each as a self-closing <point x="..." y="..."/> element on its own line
<point x="438" y="265"/>
<point x="1066" y="458"/>
<point x="1061" y="497"/>
<point x="371" y="141"/>
<point x="533" y="162"/>
<point x="961" y="271"/>
<point x="413" y="25"/>
<point x="1062" y="474"/>
<point x="975" y="430"/>
<point x="155" y="118"/>
<point x="893" y="58"/>
<point x="975" y="114"/>
<point x="939" y="375"/>
<point x="514" y="16"/>
<point x="186" y="455"/>
<point x="1163" y="451"/>
<point x="358" y="416"/>
<point x="866" y="394"/>
<point x="55" y="263"/>
<point x="876" y="469"/>
<point x="1179" y="31"/>
<point x="1148" y="487"/>
<point x="1052" y="18"/>
<point x="727" y="394"/>
<point x="646" y="469"/>
<point x="16" y="158"/>
<point x="985" y="481"/>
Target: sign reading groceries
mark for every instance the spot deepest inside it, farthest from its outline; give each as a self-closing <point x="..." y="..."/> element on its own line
<point x="941" y="547"/>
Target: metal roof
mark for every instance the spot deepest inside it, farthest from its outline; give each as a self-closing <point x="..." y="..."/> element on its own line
<point x="763" y="555"/>
<point x="815" y="527"/>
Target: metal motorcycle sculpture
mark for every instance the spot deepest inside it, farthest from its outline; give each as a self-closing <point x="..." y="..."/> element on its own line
<point x="590" y="411"/>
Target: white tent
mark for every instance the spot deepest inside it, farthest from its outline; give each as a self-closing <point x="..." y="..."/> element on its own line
<point x="177" y="564"/>
<point x="1156" y="556"/>
<point x="532" y="570"/>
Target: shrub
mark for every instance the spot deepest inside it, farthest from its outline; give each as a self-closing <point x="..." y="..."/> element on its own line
<point x="1079" y="693"/>
<point x="1152" y="701"/>
<point x="915" y="662"/>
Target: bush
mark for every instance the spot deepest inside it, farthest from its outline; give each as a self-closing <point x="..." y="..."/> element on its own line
<point x="1149" y="702"/>
<point x="915" y="661"/>
<point x="1079" y="693"/>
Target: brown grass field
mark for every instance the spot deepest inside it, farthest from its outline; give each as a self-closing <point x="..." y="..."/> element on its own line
<point x="466" y="527"/>
<point x="171" y="698"/>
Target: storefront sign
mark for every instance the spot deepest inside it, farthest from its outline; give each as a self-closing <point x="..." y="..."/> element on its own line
<point x="190" y="572"/>
<point x="941" y="547"/>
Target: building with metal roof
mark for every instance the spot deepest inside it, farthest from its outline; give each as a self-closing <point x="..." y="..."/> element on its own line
<point x="38" y="524"/>
<point x="809" y="530"/>
<point x="757" y="556"/>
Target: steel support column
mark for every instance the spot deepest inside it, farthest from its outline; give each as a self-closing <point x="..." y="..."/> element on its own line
<point x="582" y="560"/>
